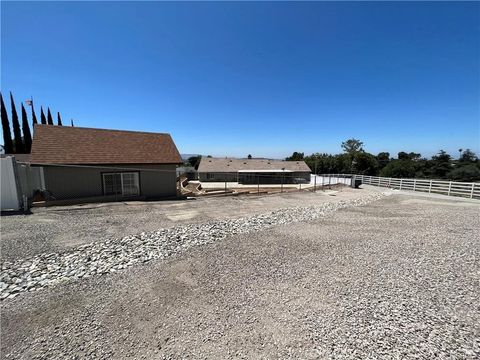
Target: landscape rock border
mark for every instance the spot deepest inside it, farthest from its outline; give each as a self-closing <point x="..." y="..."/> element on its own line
<point x="103" y="257"/>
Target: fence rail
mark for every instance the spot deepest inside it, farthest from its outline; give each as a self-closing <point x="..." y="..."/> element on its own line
<point x="451" y="188"/>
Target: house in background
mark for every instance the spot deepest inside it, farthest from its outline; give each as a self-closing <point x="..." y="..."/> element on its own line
<point x="253" y="171"/>
<point x="99" y="164"/>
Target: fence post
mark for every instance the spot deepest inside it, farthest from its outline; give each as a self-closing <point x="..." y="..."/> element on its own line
<point x="401" y="181"/>
<point x="282" y="184"/>
<point x="473" y="188"/>
<point x="414" y="184"/>
<point x="449" y="188"/>
<point x="179" y="190"/>
<point x="315" y="184"/>
<point x="430" y="187"/>
<point x="389" y="182"/>
<point x="258" y="184"/>
<point x="225" y="184"/>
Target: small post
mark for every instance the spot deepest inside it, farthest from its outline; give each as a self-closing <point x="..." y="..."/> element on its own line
<point x="179" y="189"/>
<point x="258" y="184"/>
<point x="389" y="182"/>
<point x="401" y="181"/>
<point x="315" y="183"/>
<point x="430" y="187"/>
<point x="473" y="188"/>
<point x="282" y="184"/>
<point x="449" y="188"/>
<point x="25" y="203"/>
<point x="414" y="184"/>
<point x="225" y="184"/>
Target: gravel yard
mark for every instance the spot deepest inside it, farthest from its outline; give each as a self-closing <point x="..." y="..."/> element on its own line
<point x="62" y="228"/>
<point x="393" y="278"/>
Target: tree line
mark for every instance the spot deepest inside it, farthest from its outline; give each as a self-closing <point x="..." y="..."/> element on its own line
<point x="21" y="143"/>
<point x="355" y="160"/>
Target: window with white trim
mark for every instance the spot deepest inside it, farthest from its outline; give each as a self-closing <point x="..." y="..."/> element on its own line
<point x="125" y="184"/>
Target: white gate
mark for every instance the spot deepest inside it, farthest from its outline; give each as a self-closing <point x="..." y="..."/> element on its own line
<point x="9" y="191"/>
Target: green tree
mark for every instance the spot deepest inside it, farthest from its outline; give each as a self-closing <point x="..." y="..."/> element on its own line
<point x="249" y="156"/>
<point x="296" y="156"/>
<point x="7" y="136"/>
<point x="43" y="119"/>
<point x="34" y="117"/>
<point x="49" y="117"/>
<point x="59" y="119"/>
<point x="383" y="159"/>
<point x="27" y="136"/>
<point x="468" y="172"/>
<point x="194" y="161"/>
<point x="468" y="156"/>
<point x="17" y="133"/>
<point x="399" y="169"/>
<point x="365" y="164"/>
<point x="441" y="164"/>
<point x="402" y="155"/>
<point x="352" y="146"/>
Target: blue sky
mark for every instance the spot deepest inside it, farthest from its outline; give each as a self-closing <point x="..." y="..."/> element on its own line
<point x="258" y="78"/>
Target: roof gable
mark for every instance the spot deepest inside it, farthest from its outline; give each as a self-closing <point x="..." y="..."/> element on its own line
<point x="75" y="145"/>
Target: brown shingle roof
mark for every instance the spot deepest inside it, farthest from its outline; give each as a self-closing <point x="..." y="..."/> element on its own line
<point x="233" y="165"/>
<point x="76" y="145"/>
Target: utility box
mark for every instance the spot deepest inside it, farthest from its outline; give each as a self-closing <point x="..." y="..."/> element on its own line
<point x="356" y="182"/>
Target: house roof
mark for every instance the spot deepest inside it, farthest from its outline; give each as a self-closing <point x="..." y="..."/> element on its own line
<point x="234" y="165"/>
<point x="75" y="145"/>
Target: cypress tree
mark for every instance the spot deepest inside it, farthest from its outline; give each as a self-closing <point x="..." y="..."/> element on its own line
<point x="7" y="136"/>
<point x="27" y="137"/>
<point x="59" y="119"/>
<point x="71" y="122"/>
<point x="34" y="117"/>
<point x="49" y="117"/>
<point x="43" y="119"/>
<point x="17" y="134"/>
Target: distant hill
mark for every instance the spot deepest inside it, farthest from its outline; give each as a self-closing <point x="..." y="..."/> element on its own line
<point x="186" y="156"/>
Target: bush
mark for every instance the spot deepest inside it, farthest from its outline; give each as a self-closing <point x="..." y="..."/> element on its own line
<point x="399" y="169"/>
<point x="465" y="173"/>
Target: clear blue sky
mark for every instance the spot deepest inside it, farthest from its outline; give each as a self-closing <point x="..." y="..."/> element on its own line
<point x="260" y="78"/>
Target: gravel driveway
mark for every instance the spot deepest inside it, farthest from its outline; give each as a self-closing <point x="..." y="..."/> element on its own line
<point x="397" y="278"/>
<point x="63" y="228"/>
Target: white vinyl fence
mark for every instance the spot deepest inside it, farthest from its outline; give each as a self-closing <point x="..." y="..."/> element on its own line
<point x="451" y="188"/>
<point x="9" y="194"/>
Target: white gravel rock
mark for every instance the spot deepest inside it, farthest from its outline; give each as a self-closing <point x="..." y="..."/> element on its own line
<point x="117" y="254"/>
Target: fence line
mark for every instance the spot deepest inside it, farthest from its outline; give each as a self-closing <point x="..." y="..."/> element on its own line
<point x="451" y="188"/>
